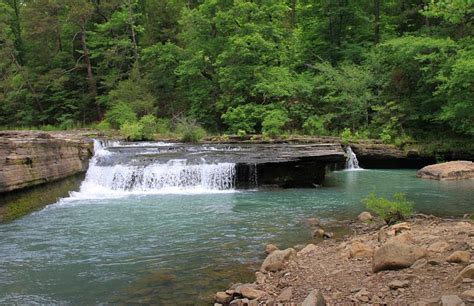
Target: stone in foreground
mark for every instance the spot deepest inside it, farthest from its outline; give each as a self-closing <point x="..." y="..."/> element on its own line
<point x="314" y="298"/>
<point x="455" y="170"/>
<point x="394" y="256"/>
<point x="467" y="272"/>
<point x="274" y="261"/>
<point x="459" y="257"/>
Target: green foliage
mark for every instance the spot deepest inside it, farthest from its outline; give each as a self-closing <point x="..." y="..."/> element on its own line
<point x="314" y="125"/>
<point x="189" y="130"/>
<point x="391" y="211"/>
<point x="149" y="127"/>
<point x="119" y="114"/>
<point x="274" y="122"/>
<point x="346" y="136"/>
<point x="245" y="118"/>
<point x="132" y="131"/>
<point x="163" y="126"/>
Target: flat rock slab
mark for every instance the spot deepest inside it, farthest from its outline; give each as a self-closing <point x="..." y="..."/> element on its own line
<point x="455" y="170"/>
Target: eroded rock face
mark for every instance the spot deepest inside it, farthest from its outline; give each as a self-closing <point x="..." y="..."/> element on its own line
<point x="455" y="170"/>
<point x="30" y="158"/>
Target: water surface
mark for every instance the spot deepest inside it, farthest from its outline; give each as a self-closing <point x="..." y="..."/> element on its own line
<point x="180" y="248"/>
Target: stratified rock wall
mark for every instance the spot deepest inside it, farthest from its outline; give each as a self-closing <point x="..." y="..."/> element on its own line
<point x="30" y="158"/>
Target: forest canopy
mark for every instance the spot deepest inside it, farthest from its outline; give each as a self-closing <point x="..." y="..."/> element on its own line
<point x="386" y="69"/>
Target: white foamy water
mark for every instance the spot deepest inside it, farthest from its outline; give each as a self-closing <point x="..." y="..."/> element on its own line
<point x="174" y="176"/>
<point x="351" y="161"/>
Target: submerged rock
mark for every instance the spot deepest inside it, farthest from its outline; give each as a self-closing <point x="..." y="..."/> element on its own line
<point x="393" y="256"/>
<point x="455" y="170"/>
<point x="222" y="297"/>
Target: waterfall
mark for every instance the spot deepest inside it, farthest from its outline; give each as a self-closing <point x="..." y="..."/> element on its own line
<point x="154" y="176"/>
<point x="351" y="161"/>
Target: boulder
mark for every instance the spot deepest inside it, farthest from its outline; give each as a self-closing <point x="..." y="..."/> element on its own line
<point x="260" y="278"/>
<point x="359" y="249"/>
<point x="365" y="216"/>
<point x="468" y="295"/>
<point x="438" y="247"/>
<point x="222" y="297"/>
<point x="467" y="272"/>
<point x="319" y="233"/>
<point x="451" y="300"/>
<point x="252" y="293"/>
<point x="275" y="261"/>
<point x="314" y="298"/>
<point x="459" y="257"/>
<point x="454" y="170"/>
<point x="307" y="249"/>
<point x="269" y="248"/>
<point x="392" y="256"/>
<point x="285" y="295"/>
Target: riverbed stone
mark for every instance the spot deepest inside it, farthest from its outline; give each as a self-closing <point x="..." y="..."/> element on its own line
<point x="393" y="256"/>
<point x="438" y="247"/>
<point x="275" y="261"/>
<point x="285" y="295"/>
<point x="397" y="284"/>
<point x="308" y="249"/>
<point x="468" y="295"/>
<point x="467" y="272"/>
<point x="252" y="293"/>
<point x="459" y="257"/>
<point x="314" y="298"/>
<point x="451" y="300"/>
<point x="269" y="248"/>
<point x="222" y="297"/>
<point x="365" y="216"/>
<point x="314" y="222"/>
<point x="359" y="249"/>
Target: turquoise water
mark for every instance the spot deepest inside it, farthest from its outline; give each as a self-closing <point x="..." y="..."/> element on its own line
<point x="180" y="248"/>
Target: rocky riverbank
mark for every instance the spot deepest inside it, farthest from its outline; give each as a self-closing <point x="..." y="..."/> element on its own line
<point x="426" y="260"/>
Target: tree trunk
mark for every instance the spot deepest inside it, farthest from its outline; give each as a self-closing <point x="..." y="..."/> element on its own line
<point x="376" y="21"/>
<point x="90" y="74"/>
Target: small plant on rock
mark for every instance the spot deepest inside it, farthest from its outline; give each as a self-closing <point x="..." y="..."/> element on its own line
<point x="390" y="211"/>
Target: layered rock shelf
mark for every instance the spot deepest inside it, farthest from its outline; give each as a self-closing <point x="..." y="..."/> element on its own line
<point x="29" y="158"/>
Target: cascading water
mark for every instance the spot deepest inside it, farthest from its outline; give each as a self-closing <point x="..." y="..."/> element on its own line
<point x="154" y="176"/>
<point x="351" y="161"/>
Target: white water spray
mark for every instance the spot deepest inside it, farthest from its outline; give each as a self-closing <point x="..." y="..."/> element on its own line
<point x="351" y="161"/>
<point x="173" y="176"/>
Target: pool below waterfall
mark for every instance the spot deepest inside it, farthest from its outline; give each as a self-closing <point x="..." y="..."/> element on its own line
<point x="133" y="245"/>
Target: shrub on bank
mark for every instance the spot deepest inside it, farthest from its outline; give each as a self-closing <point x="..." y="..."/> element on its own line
<point x="189" y="130"/>
<point x="390" y="211"/>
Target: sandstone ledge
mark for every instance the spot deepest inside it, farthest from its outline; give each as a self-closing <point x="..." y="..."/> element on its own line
<point x="454" y="170"/>
<point x="29" y="158"/>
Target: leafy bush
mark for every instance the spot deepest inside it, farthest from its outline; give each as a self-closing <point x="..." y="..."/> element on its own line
<point x="244" y="117"/>
<point x="132" y="130"/>
<point x="346" y="136"/>
<point x="390" y="211"/>
<point x="314" y="125"/>
<point x="104" y="125"/>
<point x="190" y="130"/>
<point x="163" y="126"/>
<point x="149" y="127"/>
<point x="241" y="133"/>
<point x="119" y="114"/>
<point x="274" y="122"/>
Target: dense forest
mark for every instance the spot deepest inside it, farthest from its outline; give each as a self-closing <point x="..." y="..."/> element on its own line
<point x="392" y="69"/>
